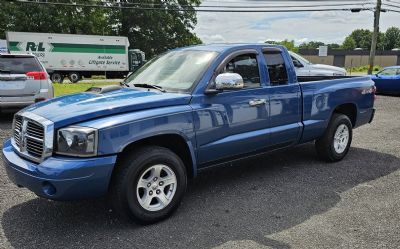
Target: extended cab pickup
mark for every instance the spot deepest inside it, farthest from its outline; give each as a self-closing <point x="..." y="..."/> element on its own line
<point x="185" y="110"/>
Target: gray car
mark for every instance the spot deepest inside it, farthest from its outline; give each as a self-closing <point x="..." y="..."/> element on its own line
<point x="23" y="81"/>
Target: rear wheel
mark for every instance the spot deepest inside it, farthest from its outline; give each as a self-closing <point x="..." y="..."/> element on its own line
<point x="335" y="143"/>
<point x="148" y="185"/>
<point x="74" y="77"/>
<point x="57" y="78"/>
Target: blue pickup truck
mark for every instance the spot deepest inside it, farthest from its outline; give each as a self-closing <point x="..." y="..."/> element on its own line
<point x="183" y="111"/>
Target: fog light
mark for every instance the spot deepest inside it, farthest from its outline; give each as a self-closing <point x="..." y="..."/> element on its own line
<point x="48" y="188"/>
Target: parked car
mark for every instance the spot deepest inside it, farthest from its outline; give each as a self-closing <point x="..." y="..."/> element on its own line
<point x="185" y="110"/>
<point x="388" y="80"/>
<point x="306" y="68"/>
<point x="23" y="81"/>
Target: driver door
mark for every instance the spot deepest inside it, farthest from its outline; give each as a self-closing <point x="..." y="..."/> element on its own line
<point x="234" y="122"/>
<point x="388" y="80"/>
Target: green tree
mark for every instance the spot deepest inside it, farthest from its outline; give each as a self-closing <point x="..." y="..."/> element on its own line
<point x="362" y="38"/>
<point x="349" y="43"/>
<point x="334" y="46"/>
<point x="15" y="16"/>
<point x="290" y="45"/>
<point x="311" y="45"/>
<point x="392" y="38"/>
<point x="155" y="31"/>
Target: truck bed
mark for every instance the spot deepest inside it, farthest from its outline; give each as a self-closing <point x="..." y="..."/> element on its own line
<point x="321" y="96"/>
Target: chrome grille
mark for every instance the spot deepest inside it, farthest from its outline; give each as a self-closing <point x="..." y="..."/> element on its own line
<point x="17" y="129"/>
<point x="33" y="136"/>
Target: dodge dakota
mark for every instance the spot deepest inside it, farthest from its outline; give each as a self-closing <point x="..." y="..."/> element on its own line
<point x="183" y="111"/>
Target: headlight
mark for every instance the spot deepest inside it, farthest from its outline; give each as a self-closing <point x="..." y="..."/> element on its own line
<point x="77" y="141"/>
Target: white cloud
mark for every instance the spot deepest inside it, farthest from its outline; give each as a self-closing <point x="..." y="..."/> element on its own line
<point x="214" y="38"/>
<point x="327" y="27"/>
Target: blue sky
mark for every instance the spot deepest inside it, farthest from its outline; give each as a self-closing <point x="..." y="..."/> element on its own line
<point x="327" y="27"/>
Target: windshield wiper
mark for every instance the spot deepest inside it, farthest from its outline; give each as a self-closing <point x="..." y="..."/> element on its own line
<point x="144" y="85"/>
<point x="123" y="83"/>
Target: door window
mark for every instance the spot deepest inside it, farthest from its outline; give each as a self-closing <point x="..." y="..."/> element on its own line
<point x="276" y="68"/>
<point x="388" y="72"/>
<point x="245" y="65"/>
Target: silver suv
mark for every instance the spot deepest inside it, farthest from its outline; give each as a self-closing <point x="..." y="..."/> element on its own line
<point x="23" y="81"/>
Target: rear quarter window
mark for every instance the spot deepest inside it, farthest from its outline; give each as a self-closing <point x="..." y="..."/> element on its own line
<point x="19" y="65"/>
<point x="276" y="68"/>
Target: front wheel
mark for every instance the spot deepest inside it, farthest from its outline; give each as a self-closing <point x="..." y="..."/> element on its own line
<point x="148" y="185"/>
<point x="335" y="143"/>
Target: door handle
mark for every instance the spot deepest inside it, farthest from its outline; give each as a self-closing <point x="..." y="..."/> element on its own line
<point x="257" y="102"/>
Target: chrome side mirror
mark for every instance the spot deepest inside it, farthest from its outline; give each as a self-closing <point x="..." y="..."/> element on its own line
<point x="229" y="81"/>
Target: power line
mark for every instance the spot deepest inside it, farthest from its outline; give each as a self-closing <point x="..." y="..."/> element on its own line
<point x="393" y="2"/>
<point x="254" y="6"/>
<point x="261" y="6"/>
<point x="151" y="5"/>
<point x="391" y="5"/>
<point x="391" y="10"/>
<point x="269" y="1"/>
<point x="300" y="9"/>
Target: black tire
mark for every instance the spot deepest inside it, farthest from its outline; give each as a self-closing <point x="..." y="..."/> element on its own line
<point x="124" y="195"/>
<point x="74" y="77"/>
<point x="57" y="78"/>
<point x="325" y="146"/>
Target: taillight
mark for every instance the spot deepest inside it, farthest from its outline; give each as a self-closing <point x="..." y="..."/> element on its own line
<point x="37" y="75"/>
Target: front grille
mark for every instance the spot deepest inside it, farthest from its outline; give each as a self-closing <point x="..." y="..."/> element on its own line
<point x="34" y="138"/>
<point x="17" y="130"/>
<point x="29" y="136"/>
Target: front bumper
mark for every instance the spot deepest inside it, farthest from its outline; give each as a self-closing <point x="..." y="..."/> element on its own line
<point x="60" y="178"/>
<point x="15" y="104"/>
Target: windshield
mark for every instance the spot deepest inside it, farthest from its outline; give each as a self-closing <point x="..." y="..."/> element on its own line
<point x="301" y="58"/>
<point x="176" y="70"/>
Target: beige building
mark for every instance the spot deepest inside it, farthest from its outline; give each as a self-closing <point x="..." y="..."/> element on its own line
<point x="351" y="58"/>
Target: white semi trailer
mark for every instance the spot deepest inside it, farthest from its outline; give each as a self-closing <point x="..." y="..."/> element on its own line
<point x="74" y="56"/>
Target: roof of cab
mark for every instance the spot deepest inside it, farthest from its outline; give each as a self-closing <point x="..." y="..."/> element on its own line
<point x="222" y="47"/>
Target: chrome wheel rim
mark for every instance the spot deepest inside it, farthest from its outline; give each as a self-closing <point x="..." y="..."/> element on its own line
<point x="156" y="187"/>
<point x="341" y="138"/>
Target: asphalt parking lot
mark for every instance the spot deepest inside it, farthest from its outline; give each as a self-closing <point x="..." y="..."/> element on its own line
<point x="286" y="199"/>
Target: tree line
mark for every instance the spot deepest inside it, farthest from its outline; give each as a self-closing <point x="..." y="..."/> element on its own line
<point x="359" y="38"/>
<point x="152" y="31"/>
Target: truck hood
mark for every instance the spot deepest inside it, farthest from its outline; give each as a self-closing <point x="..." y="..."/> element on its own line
<point x="332" y="69"/>
<point x="75" y="108"/>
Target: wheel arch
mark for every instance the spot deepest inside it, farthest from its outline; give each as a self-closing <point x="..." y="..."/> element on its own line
<point x="348" y="109"/>
<point x="172" y="141"/>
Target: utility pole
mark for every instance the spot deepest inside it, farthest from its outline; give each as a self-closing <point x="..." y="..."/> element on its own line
<point x="377" y="16"/>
